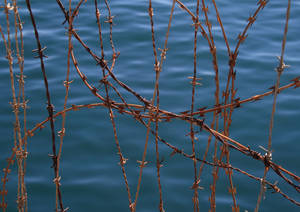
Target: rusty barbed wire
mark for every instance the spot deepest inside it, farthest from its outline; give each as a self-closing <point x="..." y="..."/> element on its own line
<point x="149" y="112"/>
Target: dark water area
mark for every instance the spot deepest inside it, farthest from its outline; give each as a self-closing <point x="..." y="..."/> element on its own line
<point x="91" y="177"/>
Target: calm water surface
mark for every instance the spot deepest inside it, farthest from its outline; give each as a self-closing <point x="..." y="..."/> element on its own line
<point x="91" y="176"/>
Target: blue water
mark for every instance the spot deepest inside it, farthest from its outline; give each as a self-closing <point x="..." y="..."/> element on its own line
<point x="91" y="177"/>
